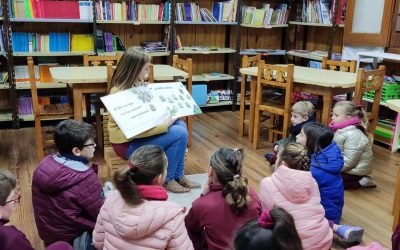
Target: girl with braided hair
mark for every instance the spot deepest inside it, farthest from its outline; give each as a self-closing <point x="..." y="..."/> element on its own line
<point x="274" y="230"/>
<point x="293" y="188"/>
<point x="226" y="203"/>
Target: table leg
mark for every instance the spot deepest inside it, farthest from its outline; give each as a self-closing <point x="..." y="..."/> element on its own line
<point x="395" y="139"/>
<point x="77" y="95"/>
<point x="253" y="88"/>
<point x="326" y="109"/>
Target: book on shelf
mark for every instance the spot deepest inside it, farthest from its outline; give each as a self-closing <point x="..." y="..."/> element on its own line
<point x="266" y="15"/>
<point x="221" y="12"/>
<point x="132" y="11"/>
<point x="141" y="108"/>
<point x="51" y="9"/>
<point x="3" y="77"/>
<point x="52" y="42"/>
<point x="317" y="11"/>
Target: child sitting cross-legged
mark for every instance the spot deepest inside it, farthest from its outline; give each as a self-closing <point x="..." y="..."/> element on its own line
<point x="10" y="237"/>
<point x="137" y="215"/>
<point x="226" y="203"/>
<point x="66" y="192"/>
<point x="302" y="113"/>
<point x="350" y="122"/>
<point x="293" y="188"/>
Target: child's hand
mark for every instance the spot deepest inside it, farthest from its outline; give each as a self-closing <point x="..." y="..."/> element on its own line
<point x="170" y="120"/>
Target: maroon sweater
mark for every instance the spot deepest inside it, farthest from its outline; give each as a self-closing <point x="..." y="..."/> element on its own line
<point x="11" y="238"/>
<point x="212" y="224"/>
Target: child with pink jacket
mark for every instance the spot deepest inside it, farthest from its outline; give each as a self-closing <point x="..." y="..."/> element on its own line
<point x="137" y="215"/>
<point x="293" y="188"/>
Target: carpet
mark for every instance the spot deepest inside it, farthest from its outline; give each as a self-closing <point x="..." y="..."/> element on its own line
<point x="186" y="199"/>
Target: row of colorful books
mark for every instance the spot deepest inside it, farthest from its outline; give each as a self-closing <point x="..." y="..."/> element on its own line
<point x="25" y="102"/>
<point x="51" y="9"/>
<point x="224" y="11"/>
<point x="132" y="11"/>
<point x="266" y="15"/>
<point x="320" y="11"/>
<point x="52" y="42"/>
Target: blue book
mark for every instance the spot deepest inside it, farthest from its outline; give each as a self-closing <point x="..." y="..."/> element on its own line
<point x="216" y="11"/>
<point x="188" y="12"/>
<point x="166" y="11"/>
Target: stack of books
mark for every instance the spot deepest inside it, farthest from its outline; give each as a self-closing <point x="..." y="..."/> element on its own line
<point x="318" y="11"/>
<point x="224" y="11"/>
<point x="153" y="46"/>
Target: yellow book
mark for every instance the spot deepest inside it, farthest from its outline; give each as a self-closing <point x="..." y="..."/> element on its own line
<point x="258" y="17"/>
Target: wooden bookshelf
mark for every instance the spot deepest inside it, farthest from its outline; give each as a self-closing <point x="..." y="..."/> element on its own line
<point x="311" y="24"/>
<point x="188" y="50"/>
<point x="5" y="117"/>
<point x="269" y="26"/>
<point x="50" y="20"/>
<point x="132" y="22"/>
<point x="50" y="85"/>
<point x="206" y="23"/>
<point x="52" y="53"/>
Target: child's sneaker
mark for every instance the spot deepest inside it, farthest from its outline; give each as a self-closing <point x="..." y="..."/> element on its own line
<point x="343" y="243"/>
<point x="353" y="234"/>
<point x="367" y="182"/>
<point x="270" y="157"/>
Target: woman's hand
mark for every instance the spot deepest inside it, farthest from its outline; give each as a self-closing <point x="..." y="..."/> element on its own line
<point x="169" y="121"/>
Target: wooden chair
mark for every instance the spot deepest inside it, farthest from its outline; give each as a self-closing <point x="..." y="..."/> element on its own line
<point x="371" y="80"/>
<point x="339" y="65"/>
<point x="246" y="62"/>
<point x="273" y="76"/>
<point x="99" y="61"/>
<point x="150" y="77"/>
<point x="44" y="112"/>
<point x="186" y="65"/>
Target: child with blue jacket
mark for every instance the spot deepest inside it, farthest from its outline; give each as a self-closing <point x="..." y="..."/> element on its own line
<point x="326" y="165"/>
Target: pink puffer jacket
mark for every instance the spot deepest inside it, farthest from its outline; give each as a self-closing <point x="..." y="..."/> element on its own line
<point x="297" y="192"/>
<point x="150" y="225"/>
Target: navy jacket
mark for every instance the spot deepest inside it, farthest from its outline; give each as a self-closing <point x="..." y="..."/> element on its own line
<point x="325" y="168"/>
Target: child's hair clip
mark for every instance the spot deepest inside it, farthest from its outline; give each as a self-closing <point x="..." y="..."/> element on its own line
<point x="265" y="220"/>
<point x="131" y="166"/>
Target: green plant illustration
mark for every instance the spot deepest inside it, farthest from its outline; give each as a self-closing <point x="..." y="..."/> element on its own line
<point x="180" y="105"/>
<point x="174" y="96"/>
<point x="145" y="96"/>
<point x="162" y="98"/>
<point x="196" y="109"/>
<point x="181" y="97"/>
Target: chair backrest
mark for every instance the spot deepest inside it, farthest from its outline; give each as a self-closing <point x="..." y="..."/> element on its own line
<point x="110" y="73"/>
<point x="150" y="77"/>
<point x="34" y="93"/>
<point x="371" y="80"/>
<point x="278" y="77"/>
<point x="250" y="61"/>
<point x="106" y="138"/>
<point x="339" y="65"/>
<point x="101" y="60"/>
<point x="184" y="65"/>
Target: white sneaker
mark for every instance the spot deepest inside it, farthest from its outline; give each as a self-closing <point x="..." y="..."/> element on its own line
<point x="367" y="182"/>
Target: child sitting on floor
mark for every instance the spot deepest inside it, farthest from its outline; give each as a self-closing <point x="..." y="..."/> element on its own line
<point x="10" y="237"/>
<point x="226" y="202"/>
<point x="66" y="192"/>
<point x="326" y="164"/>
<point x="137" y="215"/>
<point x="274" y="229"/>
<point x="302" y="113"/>
<point x="171" y="135"/>
<point x="350" y="123"/>
<point x="293" y="188"/>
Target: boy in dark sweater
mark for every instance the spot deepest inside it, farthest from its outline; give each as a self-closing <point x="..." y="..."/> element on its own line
<point x="66" y="192"/>
<point x="302" y="113"/>
<point x="10" y="237"/>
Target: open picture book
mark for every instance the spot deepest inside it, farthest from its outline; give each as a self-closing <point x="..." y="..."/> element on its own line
<point x="141" y="108"/>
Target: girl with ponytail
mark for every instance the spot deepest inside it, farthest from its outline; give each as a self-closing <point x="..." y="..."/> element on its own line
<point x="274" y="230"/>
<point x="137" y="214"/>
<point x="226" y="202"/>
<point x="350" y="125"/>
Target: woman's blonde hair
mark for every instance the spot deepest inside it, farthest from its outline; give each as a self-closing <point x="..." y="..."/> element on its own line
<point x="145" y="164"/>
<point x="227" y="164"/>
<point x="128" y="69"/>
<point x="353" y="110"/>
<point x="295" y="156"/>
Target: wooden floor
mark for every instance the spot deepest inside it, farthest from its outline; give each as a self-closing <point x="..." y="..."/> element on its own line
<point x="370" y="209"/>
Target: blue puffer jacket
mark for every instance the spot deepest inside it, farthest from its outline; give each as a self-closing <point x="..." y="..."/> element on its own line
<point x="325" y="168"/>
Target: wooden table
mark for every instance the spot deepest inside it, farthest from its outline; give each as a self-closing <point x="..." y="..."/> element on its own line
<point x="321" y="82"/>
<point x="93" y="80"/>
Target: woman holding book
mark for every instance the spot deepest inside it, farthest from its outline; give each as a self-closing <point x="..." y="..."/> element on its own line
<point x="171" y="135"/>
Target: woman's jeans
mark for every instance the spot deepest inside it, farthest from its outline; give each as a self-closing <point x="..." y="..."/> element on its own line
<point x="174" y="144"/>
